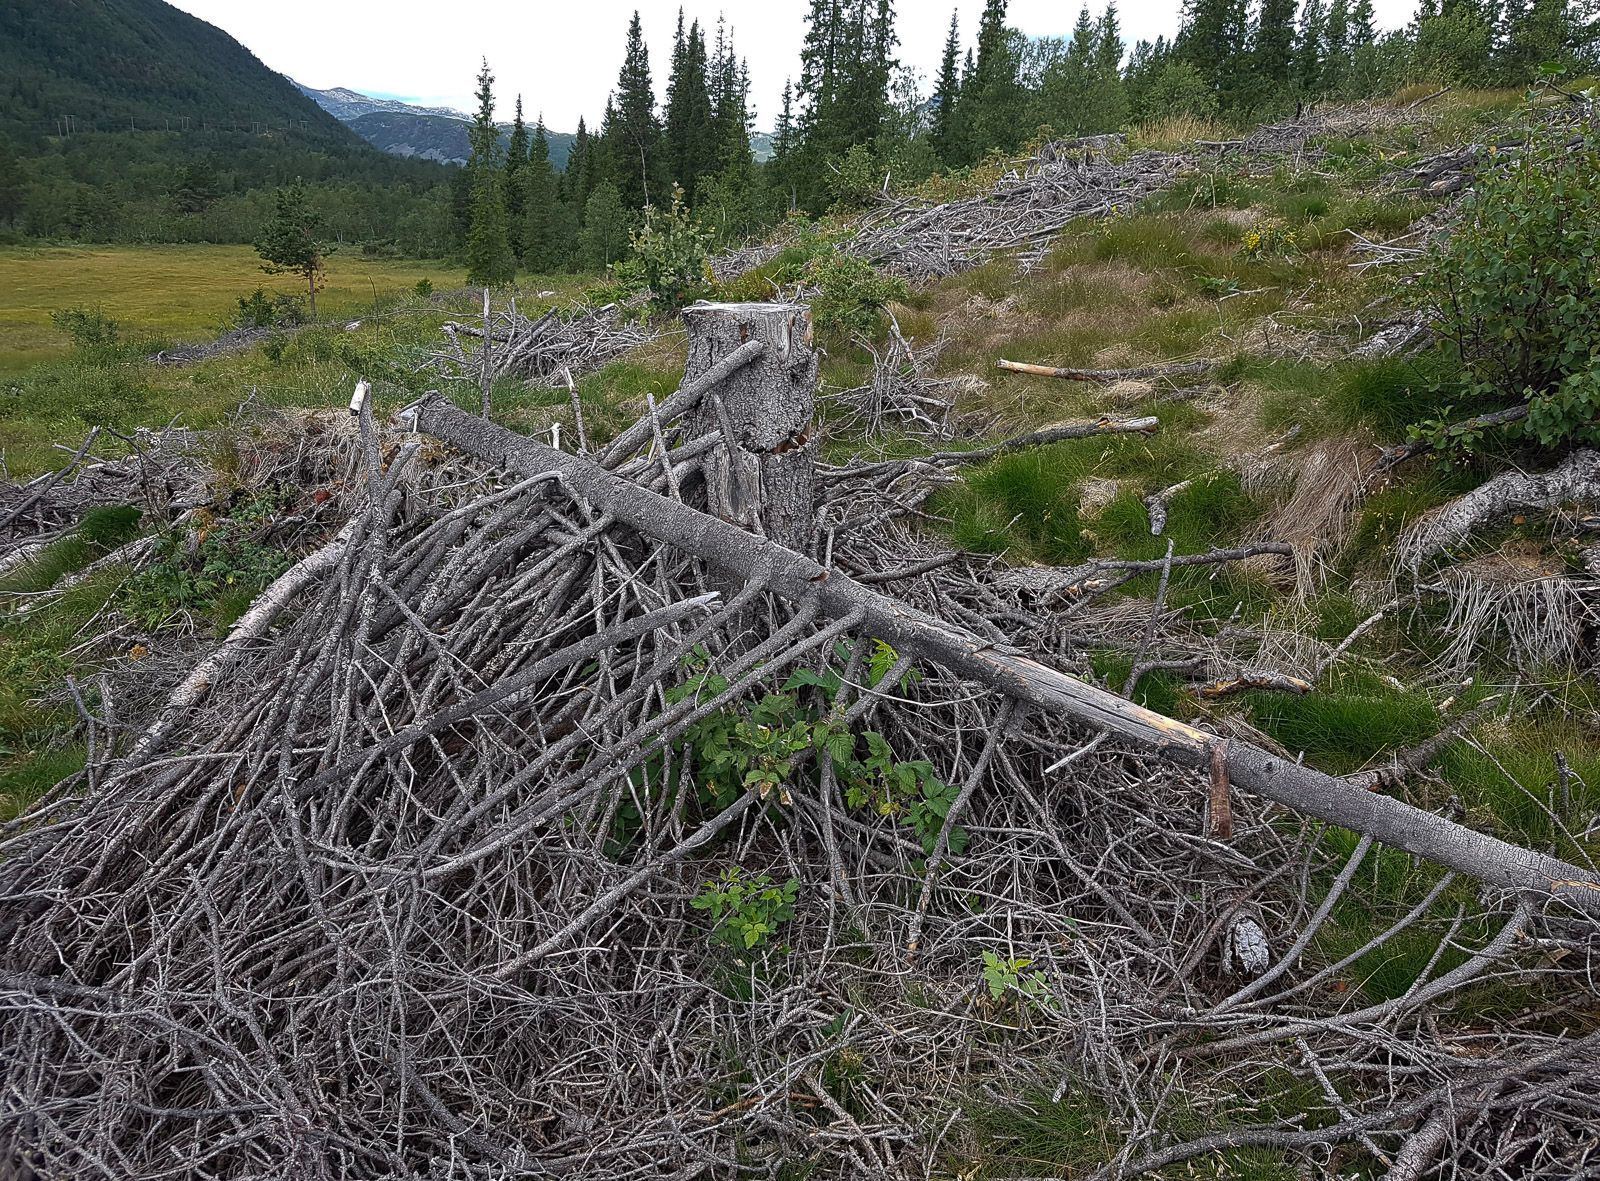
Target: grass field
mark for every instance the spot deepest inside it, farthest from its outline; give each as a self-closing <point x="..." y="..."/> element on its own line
<point x="174" y="293"/>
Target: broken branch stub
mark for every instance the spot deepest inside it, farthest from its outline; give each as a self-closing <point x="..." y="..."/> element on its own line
<point x="796" y="577"/>
<point x="764" y="477"/>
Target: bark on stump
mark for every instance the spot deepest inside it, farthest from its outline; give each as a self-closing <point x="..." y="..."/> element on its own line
<point x="765" y="479"/>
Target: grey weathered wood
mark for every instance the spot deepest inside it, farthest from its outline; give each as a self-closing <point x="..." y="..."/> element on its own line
<point x="795" y="576"/>
<point x="765" y="480"/>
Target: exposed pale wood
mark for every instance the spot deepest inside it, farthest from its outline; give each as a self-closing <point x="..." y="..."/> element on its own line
<point x="1107" y="376"/>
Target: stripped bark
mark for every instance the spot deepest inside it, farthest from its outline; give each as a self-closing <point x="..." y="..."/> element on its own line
<point x="1110" y="376"/>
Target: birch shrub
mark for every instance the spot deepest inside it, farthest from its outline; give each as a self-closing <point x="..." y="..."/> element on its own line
<point x="1513" y="288"/>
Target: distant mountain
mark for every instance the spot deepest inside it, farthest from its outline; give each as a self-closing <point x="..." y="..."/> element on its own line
<point x="76" y="66"/>
<point x="424" y="133"/>
<point x="438" y="133"/>
<point x="347" y="105"/>
<point x="435" y="137"/>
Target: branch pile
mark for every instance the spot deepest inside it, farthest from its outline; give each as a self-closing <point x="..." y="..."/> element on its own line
<point x="541" y="352"/>
<point x="403" y="882"/>
<point x="1027" y="208"/>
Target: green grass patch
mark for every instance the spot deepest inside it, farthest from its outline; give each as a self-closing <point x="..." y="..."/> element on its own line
<point x="1514" y="781"/>
<point x="24" y="778"/>
<point x="1345" y="724"/>
<point x="176" y="292"/>
<point x="102" y="529"/>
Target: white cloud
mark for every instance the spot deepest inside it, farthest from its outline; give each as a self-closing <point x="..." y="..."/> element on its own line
<point x="563" y="57"/>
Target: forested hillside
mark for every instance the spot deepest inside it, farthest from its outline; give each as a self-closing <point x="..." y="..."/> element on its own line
<point x="857" y="123"/>
<point x="128" y="120"/>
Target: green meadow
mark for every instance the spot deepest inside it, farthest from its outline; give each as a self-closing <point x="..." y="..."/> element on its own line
<point x="172" y="293"/>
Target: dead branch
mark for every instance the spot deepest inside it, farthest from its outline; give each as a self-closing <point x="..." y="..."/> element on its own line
<point x="1110" y="376"/>
<point x="801" y="579"/>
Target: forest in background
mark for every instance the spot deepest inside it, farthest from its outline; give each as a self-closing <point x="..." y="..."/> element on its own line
<point x="854" y="121"/>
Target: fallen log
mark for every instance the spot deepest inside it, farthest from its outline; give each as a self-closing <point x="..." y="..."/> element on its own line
<point x="795" y="577"/>
<point x="1109" y="376"/>
<point x="1576" y="480"/>
<point x="1055" y="433"/>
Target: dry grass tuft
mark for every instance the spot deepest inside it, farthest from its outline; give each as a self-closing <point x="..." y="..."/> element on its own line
<point x="1176" y="131"/>
<point x="1316" y="519"/>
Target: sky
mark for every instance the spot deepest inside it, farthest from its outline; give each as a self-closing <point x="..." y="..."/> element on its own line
<point x="563" y="57"/>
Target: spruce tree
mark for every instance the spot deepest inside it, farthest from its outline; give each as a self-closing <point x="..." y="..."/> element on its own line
<point x="779" y="170"/>
<point x="1112" y="96"/>
<point x="543" y="250"/>
<point x="1272" y="56"/>
<point x="489" y="259"/>
<point x="1363" y="23"/>
<point x="604" y="237"/>
<point x="994" y="95"/>
<point x="1213" y="39"/>
<point x="633" y="134"/>
<point x="689" y="140"/>
<point x="1309" y="51"/>
<point x="1336" y="48"/>
<point x="515" y="182"/>
<point x="945" y="95"/>
<point x="578" y="180"/>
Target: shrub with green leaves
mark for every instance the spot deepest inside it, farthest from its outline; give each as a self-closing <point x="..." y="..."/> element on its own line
<point x="1513" y="284"/>
<point x="91" y="329"/>
<point x="263" y="309"/>
<point x="671" y="253"/>
<point x="746" y="911"/>
<point x="850" y="295"/>
<point x="218" y="575"/>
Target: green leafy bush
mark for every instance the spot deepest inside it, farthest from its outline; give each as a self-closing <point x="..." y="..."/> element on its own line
<point x="263" y="309"/>
<point x="854" y="182"/>
<point x="764" y="746"/>
<point x="216" y="571"/>
<point x="91" y="329"/>
<point x="850" y="295"/>
<point x="1513" y="288"/>
<point x="670" y="253"/>
<point x="746" y="911"/>
<point x="1006" y="976"/>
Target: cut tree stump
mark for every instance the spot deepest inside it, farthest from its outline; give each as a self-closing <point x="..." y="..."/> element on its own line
<point x="764" y="478"/>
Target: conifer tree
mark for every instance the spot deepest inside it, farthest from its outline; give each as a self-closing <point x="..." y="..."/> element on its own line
<point x="604" y="237"/>
<point x="489" y="259"/>
<point x="947" y="91"/>
<point x="993" y="95"/>
<point x="1213" y="39"/>
<point x="1112" y="105"/>
<point x="1336" y="48"/>
<point x="633" y="135"/>
<point x="1308" y="51"/>
<point x="785" y="141"/>
<point x="689" y="140"/>
<point x="578" y="181"/>
<point x="1363" y="23"/>
<point x="543" y="251"/>
<point x="516" y="183"/>
<point x="1272" y="53"/>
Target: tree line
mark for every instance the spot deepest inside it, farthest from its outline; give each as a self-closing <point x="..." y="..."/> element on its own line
<point x="854" y="119"/>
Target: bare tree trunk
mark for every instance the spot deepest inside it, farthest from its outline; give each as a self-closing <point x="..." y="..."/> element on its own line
<point x="764" y="478"/>
<point x="794" y="576"/>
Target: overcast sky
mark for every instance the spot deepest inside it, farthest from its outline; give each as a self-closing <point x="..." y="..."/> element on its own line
<point x="562" y="57"/>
